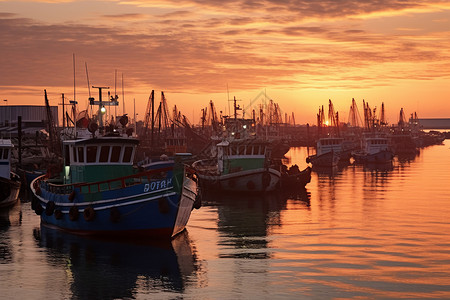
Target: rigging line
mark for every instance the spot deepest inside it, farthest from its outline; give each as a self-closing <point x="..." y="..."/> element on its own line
<point x="74" y="86"/>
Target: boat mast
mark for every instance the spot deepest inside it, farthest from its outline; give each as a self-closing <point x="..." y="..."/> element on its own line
<point x="101" y="107"/>
<point x="123" y="98"/>
<point x="64" y="112"/>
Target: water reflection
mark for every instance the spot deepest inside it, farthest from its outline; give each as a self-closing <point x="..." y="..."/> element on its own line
<point x="245" y="221"/>
<point x="408" y="157"/>
<point x="300" y="194"/>
<point x="105" y="269"/>
<point x="11" y="216"/>
<point x="379" y="167"/>
<point x="8" y="217"/>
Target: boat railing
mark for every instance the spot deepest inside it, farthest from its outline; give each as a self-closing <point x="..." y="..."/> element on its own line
<point x="105" y="185"/>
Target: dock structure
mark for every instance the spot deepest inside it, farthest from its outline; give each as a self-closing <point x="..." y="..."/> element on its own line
<point x="434" y="123"/>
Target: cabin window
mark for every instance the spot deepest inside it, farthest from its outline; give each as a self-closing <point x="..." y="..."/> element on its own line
<point x="5" y="153"/>
<point x="67" y="155"/>
<point x="233" y="150"/>
<point x="80" y="154"/>
<point x="127" y="154"/>
<point x="74" y="154"/>
<point x="104" y="153"/>
<point x="91" y="154"/>
<point x="115" y="154"/>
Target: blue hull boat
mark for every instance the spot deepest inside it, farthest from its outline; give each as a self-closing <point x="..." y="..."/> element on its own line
<point x="93" y="199"/>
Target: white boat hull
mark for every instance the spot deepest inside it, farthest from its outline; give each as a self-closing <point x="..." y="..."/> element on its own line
<point x="256" y="180"/>
<point x="9" y="193"/>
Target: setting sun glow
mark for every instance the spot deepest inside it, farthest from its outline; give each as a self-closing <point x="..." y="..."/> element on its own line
<point x="298" y="53"/>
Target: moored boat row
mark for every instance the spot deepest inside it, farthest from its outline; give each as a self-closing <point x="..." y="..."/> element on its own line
<point x="375" y="143"/>
<point x="243" y="161"/>
<point x="103" y="189"/>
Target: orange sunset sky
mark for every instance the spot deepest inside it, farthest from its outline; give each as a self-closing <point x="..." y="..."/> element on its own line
<point x="298" y="53"/>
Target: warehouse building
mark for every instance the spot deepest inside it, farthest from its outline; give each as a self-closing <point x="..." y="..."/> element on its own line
<point x="34" y="118"/>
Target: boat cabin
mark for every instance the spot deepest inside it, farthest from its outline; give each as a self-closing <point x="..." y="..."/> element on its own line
<point x="5" y="155"/>
<point x="241" y="156"/>
<point x="325" y="145"/>
<point x="98" y="159"/>
<point x="174" y="145"/>
<point x="374" y="145"/>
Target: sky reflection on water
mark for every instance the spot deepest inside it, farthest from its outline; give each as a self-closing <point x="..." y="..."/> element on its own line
<point x="355" y="232"/>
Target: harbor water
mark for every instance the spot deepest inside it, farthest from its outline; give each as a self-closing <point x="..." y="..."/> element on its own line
<point x="355" y="232"/>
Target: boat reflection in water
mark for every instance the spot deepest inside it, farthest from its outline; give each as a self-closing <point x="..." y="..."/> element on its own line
<point x="106" y="269"/>
<point x="380" y="167"/>
<point x="11" y="216"/>
<point x="245" y="220"/>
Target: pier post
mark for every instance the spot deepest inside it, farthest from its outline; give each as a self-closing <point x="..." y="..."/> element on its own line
<point x="19" y="137"/>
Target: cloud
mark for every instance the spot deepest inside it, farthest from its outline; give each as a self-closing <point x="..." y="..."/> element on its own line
<point x="304" y="8"/>
<point x="125" y="17"/>
<point x="177" y="14"/>
<point x="5" y="15"/>
<point x="203" y="45"/>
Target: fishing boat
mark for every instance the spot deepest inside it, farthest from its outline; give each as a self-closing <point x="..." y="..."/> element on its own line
<point x="375" y="149"/>
<point x="293" y="178"/>
<point x="328" y="152"/>
<point x="403" y="143"/>
<point x="102" y="192"/>
<point x="9" y="181"/>
<point x="239" y="165"/>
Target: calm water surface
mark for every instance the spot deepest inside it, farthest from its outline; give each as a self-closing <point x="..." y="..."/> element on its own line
<point x="356" y="232"/>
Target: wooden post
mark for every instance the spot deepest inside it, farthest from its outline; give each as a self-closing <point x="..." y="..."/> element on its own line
<point x="64" y="113"/>
<point x="19" y="137"/>
<point x="307" y="139"/>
